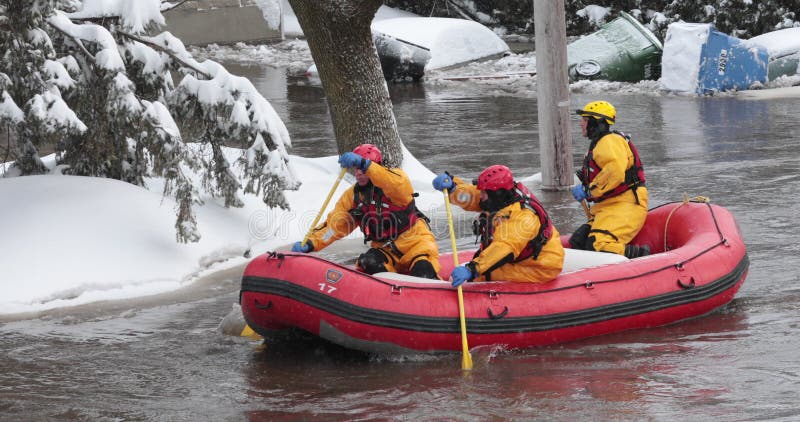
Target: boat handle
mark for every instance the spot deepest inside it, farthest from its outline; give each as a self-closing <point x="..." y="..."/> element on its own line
<point x="689" y="285"/>
<point x="396" y="290"/>
<point x="275" y="255"/>
<point x="259" y="306"/>
<point x="493" y="294"/>
<point x="498" y="316"/>
<point x="589" y="284"/>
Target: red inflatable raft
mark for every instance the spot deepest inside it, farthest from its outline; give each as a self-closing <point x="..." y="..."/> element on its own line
<point x="698" y="263"/>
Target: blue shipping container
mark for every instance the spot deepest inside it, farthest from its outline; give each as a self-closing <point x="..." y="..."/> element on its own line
<point x="727" y="63"/>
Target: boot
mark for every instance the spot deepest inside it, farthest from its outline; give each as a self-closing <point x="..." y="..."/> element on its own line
<point x="636" y="251"/>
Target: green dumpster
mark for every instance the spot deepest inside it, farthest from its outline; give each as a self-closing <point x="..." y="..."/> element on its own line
<point x="621" y="50"/>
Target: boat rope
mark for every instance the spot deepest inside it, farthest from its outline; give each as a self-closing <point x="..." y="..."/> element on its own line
<point x="686" y="200"/>
<point x="593" y="283"/>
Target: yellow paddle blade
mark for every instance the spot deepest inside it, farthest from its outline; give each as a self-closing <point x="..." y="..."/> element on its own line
<point x="466" y="361"/>
<point x="248" y="332"/>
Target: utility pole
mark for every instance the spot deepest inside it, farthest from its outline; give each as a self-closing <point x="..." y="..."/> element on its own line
<point x="555" y="140"/>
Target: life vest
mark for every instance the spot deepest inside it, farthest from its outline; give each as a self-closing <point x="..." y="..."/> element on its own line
<point x="379" y="219"/>
<point x="634" y="176"/>
<point x="483" y="226"/>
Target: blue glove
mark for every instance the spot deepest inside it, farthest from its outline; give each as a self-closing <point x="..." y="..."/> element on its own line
<point x="460" y="275"/>
<point x="302" y="247"/>
<point x="353" y="160"/>
<point x="579" y="192"/>
<point x="444" y="181"/>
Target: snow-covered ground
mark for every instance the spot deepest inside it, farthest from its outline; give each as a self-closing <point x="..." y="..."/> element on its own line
<point x="73" y="240"/>
<point x="512" y="74"/>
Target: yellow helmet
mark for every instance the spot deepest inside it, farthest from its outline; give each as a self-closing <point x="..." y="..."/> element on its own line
<point x="600" y="110"/>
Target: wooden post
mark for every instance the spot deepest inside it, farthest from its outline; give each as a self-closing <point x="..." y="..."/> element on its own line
<point x="555" y="140"/>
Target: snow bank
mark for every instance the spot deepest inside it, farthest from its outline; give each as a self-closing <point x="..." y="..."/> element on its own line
<point x="73" y="240"/>
<point x="450" y="41"/>
<point x="779" y="43"/>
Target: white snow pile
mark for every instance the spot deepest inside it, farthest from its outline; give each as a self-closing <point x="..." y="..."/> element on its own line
<point x="779" y="43"/>
<point x="72" y="240"/>
<point x="134" y="14"/>
<point x="449" y="41"/>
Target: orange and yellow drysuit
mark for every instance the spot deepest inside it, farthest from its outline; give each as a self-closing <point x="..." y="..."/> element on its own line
<point x="614" y="179"/>
<point x="385" y="201"/>
<point x="514" y="226"/>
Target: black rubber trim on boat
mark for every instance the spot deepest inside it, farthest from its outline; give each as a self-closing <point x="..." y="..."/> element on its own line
<point x="263" y="307"/>
<point x="498" y="316"/>
<point x="487" y="325"/>
<point x="689" y="285"/>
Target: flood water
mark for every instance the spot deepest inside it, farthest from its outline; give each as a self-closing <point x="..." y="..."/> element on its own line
<point x="164" y="359"/>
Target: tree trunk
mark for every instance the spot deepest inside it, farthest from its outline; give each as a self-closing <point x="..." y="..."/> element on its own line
<point x="340" y="40"/>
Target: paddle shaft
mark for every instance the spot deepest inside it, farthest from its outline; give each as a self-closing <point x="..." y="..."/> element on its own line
<point x="585" y="206"/>
<point x="324" y="205"/>
<point x="466" y="357"/>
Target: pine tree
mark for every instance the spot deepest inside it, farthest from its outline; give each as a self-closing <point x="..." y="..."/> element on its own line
<point x="32" y="111"/>
<point x="101" y="94"/>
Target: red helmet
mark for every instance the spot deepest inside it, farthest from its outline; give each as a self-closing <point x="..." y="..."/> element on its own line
<point x="370" y="152"/>
<point x="496" y="177"/>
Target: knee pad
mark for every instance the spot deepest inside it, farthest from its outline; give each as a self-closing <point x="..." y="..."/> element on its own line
<point x="580" y="238"/>
<point x="424" y="269"/>
<point x="372" y="261"/>
<point x="636" y="251"/>
<point x="589" y="245"/>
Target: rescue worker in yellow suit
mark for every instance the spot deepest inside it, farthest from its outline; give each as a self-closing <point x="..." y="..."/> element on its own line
<point x="612" y="177"/>
<point x="518" y="242"/>
<point x="381" y="203"/>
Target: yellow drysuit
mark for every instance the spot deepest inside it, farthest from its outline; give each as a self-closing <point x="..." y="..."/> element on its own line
<point x="414" y="244"/>
<point x="618" y="219"/>
<point x="514" y="226"/>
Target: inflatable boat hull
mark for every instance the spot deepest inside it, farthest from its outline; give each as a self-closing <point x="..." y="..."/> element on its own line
<point x="699" y="263"/>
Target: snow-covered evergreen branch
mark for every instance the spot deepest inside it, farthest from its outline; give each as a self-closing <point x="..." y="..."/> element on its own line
<point x="96" y="88"/>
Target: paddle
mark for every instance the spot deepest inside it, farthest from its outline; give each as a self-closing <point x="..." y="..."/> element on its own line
<point x="324" y="205"/>
<point x="585" y="206"/>
<point x="319" y="214"/>
<point x="466" y="357"/>
<point x="248" y="332"/>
